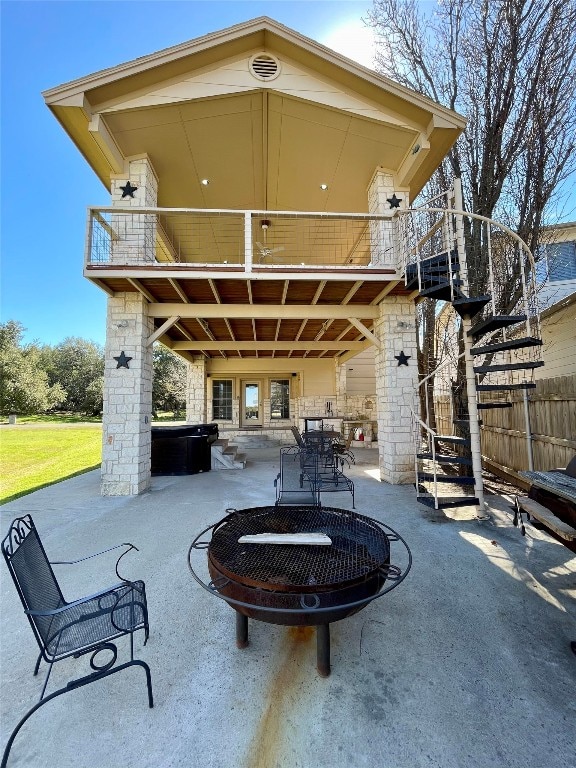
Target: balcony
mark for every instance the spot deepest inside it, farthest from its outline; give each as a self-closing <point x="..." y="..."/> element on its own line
<point x="229" y="241"/>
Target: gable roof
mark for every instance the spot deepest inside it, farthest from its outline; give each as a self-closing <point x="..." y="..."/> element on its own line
<point x="324" y="117"/>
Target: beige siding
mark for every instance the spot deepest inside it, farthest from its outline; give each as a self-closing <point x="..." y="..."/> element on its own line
<point x="233" y="76"/>
<point x="360" y="374"/>
<point x="559" y="343"/>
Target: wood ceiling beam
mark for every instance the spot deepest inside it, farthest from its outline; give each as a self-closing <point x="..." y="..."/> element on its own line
<point x="365" y="332"/>
<point x="147" y="295"/>
<point x="162" y="330"/>
<point x="270" y="345"/>
<point x="178" y="289"/>
<point x="263" y="311"/>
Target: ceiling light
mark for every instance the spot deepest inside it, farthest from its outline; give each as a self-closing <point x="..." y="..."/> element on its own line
<point x="205" y="182"/>
<point x="324" y="187"/>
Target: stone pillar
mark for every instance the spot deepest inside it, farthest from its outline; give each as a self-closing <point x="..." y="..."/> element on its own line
<point x="383" y="234"/>
<point x="134" y="240"/>
<point x="341" y="388"/>
<point x="396" y="389"/>
<point x="196" y="392"/>
<point x="127" y="397"/>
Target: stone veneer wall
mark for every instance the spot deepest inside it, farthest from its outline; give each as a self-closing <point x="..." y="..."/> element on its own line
<point x="135" y="241"/>
<point x="196" y="412"/>
<point x="396" y="388"/>
<point x="383" y="234"/>
<point x="128" y="398"/>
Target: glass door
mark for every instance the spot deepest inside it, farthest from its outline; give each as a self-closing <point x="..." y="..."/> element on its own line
<point x="251" y="406"/>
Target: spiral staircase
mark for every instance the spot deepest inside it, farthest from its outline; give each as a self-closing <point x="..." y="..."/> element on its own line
<point x="486" y="316"/>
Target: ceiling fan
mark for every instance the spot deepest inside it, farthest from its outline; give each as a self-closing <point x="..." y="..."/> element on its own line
<point x="263" y="249"/>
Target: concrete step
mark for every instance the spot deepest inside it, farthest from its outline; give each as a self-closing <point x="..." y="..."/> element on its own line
<point x="226" y="456"/>
<point x="255" y="441"/>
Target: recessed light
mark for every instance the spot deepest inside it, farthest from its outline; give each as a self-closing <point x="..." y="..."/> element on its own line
<point x="205" y="182"/>
<point x="324" y="187"/>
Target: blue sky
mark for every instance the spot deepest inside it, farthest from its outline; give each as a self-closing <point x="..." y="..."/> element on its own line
<point x="46" y="184"/>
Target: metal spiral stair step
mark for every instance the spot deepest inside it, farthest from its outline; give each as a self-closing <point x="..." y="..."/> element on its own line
<point x="443" y="458"/>
<point x="495" y="404"/>
<point x="528" y="365"/>
<point x="452" y="439"/>
<point x="500" y="346"/>
<point x="455" y="479"/>
<point x="448" y="501"/>
<point x="494" y="323"/>
<point x="504" y="387"/>
<point x="470" y="306"/>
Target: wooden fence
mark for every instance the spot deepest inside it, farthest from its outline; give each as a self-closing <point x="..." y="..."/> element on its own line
<point x="552" y="410"/>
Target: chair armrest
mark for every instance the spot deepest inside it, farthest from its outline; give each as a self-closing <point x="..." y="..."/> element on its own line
<point x="96" y="554"/>
<point x="125" y="585"/>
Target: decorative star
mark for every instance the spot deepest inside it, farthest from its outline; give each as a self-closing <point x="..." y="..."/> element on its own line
<point x="394" y="201"/>
<point x="122" y="360"/>
<point x="128" y="190"/>
<point x="402" y="358"/>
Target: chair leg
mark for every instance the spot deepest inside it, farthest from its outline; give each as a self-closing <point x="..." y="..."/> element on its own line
<point x="82" y="681"/>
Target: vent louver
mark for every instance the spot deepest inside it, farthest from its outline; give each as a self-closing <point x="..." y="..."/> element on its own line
<point x="264" y="66"/>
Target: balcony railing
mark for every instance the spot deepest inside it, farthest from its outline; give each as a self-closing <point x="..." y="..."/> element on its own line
<point x="245" y="240"/>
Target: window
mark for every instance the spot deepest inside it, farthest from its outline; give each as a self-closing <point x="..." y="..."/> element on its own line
<point x="222" y="399"/>
<point x="557" y="261"/>
<point x="279" y="399"/>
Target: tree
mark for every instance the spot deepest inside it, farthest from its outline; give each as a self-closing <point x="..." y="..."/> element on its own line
<point x="169" y="388"/>
<point x="78" y="366"/>
<point x="24" y="385"/>
<point x="509" y="66"/>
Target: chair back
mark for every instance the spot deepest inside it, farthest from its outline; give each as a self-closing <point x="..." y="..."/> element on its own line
<point x="32" y="574"/>
<point x="297" y="436"/>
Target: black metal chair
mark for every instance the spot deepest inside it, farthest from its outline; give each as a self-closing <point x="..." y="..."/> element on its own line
<point x="84" y="626"/>
<point x="295" y="483"/>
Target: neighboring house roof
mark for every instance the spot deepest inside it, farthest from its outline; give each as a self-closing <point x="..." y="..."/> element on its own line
<point x="263" y="112"/>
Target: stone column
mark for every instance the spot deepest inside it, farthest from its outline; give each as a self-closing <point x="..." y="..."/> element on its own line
<point x="196" y="392"/>
<point x="134" y="238"/>
<point x="383" y="234"/>
<point x="396" y="392"/>
<point x="127" y="397"/>
<point x="341" y="389"/>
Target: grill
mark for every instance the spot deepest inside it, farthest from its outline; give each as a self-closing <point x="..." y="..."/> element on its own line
<point x="304" y="585"/>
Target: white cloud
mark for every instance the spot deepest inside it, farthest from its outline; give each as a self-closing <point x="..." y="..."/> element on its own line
<point x="353" y="39"/>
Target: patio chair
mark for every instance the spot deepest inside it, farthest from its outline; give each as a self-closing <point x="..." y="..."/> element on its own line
<point x="82" y="627"/>
<point x="295" y="482"/>
<point x="342" y="450"/>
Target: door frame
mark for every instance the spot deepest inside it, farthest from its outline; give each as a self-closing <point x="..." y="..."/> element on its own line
<point x="244" y="421"/>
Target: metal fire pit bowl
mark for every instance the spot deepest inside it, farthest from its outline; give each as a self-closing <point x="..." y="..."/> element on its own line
<point x="302" y="585"/>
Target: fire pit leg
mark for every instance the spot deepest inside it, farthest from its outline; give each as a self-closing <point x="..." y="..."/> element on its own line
<point x="323" y="649"/>
<point x="241" y="630"/>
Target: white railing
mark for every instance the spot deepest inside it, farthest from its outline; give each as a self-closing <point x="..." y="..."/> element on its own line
<point x="245" y="240"/>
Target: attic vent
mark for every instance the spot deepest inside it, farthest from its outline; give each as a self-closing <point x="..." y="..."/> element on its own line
<point x="264" y="67"/>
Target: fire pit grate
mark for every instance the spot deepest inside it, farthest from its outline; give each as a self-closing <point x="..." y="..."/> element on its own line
<point x="359" y="547"/>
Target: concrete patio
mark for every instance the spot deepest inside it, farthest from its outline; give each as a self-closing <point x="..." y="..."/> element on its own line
<point x="467" y="664"/>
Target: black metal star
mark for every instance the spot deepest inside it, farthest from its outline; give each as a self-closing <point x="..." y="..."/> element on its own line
<point x="394" y="201"/>
<point x="402" y="358"/>
<point x="128" y="190"/>
<point x="122" y="360"/>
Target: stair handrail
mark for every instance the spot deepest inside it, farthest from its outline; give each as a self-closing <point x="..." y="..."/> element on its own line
<point x="524" y="247"/>
<point x="432" y="434"/>
<point x="439" y="367"/>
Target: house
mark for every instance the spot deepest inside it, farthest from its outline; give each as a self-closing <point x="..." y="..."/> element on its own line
<point x="256" y="180"/>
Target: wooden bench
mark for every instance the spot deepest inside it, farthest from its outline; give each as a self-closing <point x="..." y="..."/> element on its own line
<point x="545" y="516"/>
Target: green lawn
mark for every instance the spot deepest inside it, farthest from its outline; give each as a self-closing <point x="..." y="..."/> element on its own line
<point x="34" y="456"/>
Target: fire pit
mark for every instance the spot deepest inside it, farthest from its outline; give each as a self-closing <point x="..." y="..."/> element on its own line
<point x="299" y="584"/>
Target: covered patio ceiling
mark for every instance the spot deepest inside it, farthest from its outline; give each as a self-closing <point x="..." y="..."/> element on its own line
<point x="287" y="317"/>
